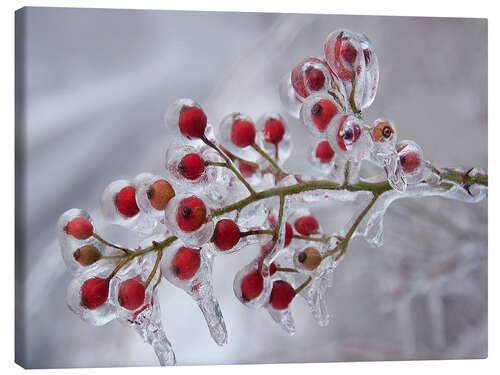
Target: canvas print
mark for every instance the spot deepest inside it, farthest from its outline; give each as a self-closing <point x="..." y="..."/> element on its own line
<point x="201" y="188"/>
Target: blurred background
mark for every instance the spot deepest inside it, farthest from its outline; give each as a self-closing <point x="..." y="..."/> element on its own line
<point x="93" y="86"/>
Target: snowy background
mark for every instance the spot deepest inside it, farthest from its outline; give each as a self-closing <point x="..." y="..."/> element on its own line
<point x="96" y="84"/>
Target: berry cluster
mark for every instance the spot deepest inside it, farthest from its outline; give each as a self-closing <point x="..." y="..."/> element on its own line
<point x="226" y="191"/>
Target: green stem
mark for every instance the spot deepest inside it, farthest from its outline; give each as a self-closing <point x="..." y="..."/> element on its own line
<point x="99" y="238"/>
<point x="298" y="237"/>
<point x="306" y="283"/>
<point x="229" y="164"/>
<point x="266" y="156"/>
<point x="155" y="268"/>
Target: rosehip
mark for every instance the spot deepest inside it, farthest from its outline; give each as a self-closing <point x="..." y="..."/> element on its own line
<point x="243" y="133"/>
<point x="160" y="193"/>
<point x="310" y="258"/>
<point x="192" y="122"/>
<point x="247" y="170"/>
<point x="186" y="263"/>
<point x="94" y="292"/>
<point x="251" y="286"/>
<point x="306" y="225"/>
<point x="191" y="166"/>
<point x="131" y="294"/>
<point x="80" y="228"/>
<point x="322" y="112"/>
<point x="348" y="133"/>
<point x="274" y="130"/>
<point x="324" y="152"/>
<point x="410" y="160"/>
<point x="125" y="202"/>
<point x="281" y="295"/>
<point x="226" y="234"/>
<point x="87" y="255"/>
<point x="191" y="214"/>
<point x="308" y="76"/>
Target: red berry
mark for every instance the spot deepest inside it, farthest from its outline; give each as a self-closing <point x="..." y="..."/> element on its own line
<point x="243" y="133"/>
<point x="310" y="258"/>
<point x="191" y="166"/>
<point x="274" y="130"/>
<point x="131" y="294"/>
<point x="347" y="134"/>
<point x="192" y="122"/>
<point x="322" y="112"/>
<point x="272" y="269"/>
<point x="247" y="170"/>
<point x="80" y="228"/>
<point x="251" y="286"/>
<point x="226" y="234"/>
<point x="191" y="214"/>
<point x="324" y="152"/>
<point x="312" y="79"/>
<point x="306" y="225"/>
<point x="125" y="202"/>
<point x="160" y="193"/>
<point x="410" y="162"/>
<point x="186" y="263"/>
<point x="348" y="52"/>
<point x="281" y="295"/>
<point x="315" y="78"/>
<point x="288" y="234"/>
<point x="94" y="292"/>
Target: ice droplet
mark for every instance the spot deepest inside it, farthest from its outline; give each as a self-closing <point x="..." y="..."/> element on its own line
<point x="283" y="318"/>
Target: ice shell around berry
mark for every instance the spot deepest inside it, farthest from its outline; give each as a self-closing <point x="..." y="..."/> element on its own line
<point x="195" y="238"/>
<point x="411" y="157"/>
<point x="99" y="315"/>
<point x="172" y="117"/>
<point x="315" y="116"/>
<point x="262" y="298"/>
<point x="279" y="151"/>
<point x="144" y="193"/>
<point x="349" y="139"/>
<point x="310" y="76"/>
<point x="224" y="133"/>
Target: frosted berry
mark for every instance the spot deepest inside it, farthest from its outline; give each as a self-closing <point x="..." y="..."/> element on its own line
<point x="186" y="263"/>
<point x="131" y="294"/>
<point x="80" y="228"/>
<point x="322" y="112"/>
<point x="281" y="295"/>
<point x="307" y="225"/>
<point x="191" y="166"/>
<point x="246" y="169"/>
<point x="191" y="214"/>
<point x="274" y="130"/>
<point x="94" y="292"/>
<point x="160" y="193"/>
<point x="348" y="133"/>
<point x="251" y="286"/>
<point x="87" y="255"/>
<point x="192" y="122"/>
<point x="324" y="152"/>
<point x="310" y="258"/>
<point x="226" y="234"/>
<point x="125" y="202"/>
<point x="288" y="234"/>
<point x="243" y="133"/>
<point x="308" y="76"/>
<point x="410" y="160"/>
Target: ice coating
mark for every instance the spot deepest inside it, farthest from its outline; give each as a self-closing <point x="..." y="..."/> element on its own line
<point x="224" y="133"/>
<point x="199" y="287"/>
<point x="195" y="238"/>
<point x="411" y="158"/>
<point x="351" y="56"/>
<point x="171" y="119"/>
<point x="275" y="140"/>
<point x="288" y="98"/>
